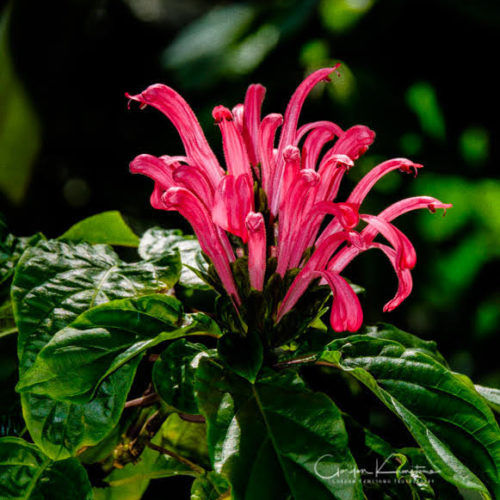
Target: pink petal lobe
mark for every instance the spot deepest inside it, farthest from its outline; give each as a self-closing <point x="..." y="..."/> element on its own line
<point x="251" y="121"/>
<point x="256" y="249"/>
<point x="346" y="313"/>
<point x="290" y="125"/>
<point x="233" y="200"/>
<point x="267" y="133"/>
<point x="190" y="207"/>
<point x="407" y="257"/>
<point x="355" y="141"/>
<point x="234" y="147"/>
<point x="178" y="111"/>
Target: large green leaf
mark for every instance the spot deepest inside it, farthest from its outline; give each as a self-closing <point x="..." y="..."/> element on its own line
<point x="173" y="374"/>
<point x="155" y="242"/>
<point x="275" y="439"/>
<point x="186" y="438"/>
<point x="11" y="249"/>
<point x="54" y="283"/>
<point x="106" y="227"/>
<point x="491" y="395"/>
<point x="445" y="415"/>
<point x="79" y="357"/>
<point x="26" y="473"/>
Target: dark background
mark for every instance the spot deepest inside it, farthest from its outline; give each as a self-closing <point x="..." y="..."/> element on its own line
<point x="422" y="74"/>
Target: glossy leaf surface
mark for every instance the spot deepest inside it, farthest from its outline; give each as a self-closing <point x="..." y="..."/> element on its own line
<point x="445" y="415"/>
<point x="101" y="340"/>
<point x="53" y="284"/>
<point x="27" y="474"/>
<point x="275" y="439"/>
<point x="106" y="227"/>
<point x="173" y="374"/>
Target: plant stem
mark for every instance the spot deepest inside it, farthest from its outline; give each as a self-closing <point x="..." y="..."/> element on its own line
<point x="146" y="400"/>
<point x="182" y="460"/>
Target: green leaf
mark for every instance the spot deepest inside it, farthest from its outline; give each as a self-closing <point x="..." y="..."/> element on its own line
<point x="209" y="487"/>
<point x="7" y="323"/>
<point x="106" y="227"/>
<point x="156" y="242"/>
<point x="443" y="412"/>
<point x="54" y="283"/>
<point x="491" y="395"/>
<point x="173" y="374"/>
<point x="26" y="473"/>
<point x="243" y="354"/>
<point x="11" y="249"/>
<point x="20" y="136"/>
<point x="79" y="357"/>
<point x="275" y="439"/>
<point x="188" y="439"/>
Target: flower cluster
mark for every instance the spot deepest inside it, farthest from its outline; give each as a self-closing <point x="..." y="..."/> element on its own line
<point x="300" y="184"/>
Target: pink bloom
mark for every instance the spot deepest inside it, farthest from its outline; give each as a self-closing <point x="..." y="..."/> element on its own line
<point x="300" y="170"/>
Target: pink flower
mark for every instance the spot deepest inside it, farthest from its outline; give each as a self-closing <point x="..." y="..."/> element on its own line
<point x="300" y="171"/>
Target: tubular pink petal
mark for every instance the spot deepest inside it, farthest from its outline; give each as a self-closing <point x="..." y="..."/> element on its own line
<point x="414" y="203"/>
<point x="367" y="182"/>
<point x="354" y="142"/>
<point x="317" y="262"/>
<point x="233" y="200"/>
<point x="195" y="180"/>
<point x="154" y="168"/>
<point x="251" y="121"/>
<point x="346" y="313"/>
<point x="297" y="203"/>
<point x="407" y="257"/>
<point x="190" y="207"/>
<point x="405" y="282"/>
<point x="238" y="112"/>
<point x="292" y="170"/>
<point x="156" y="197"/>
<point x="234" y="147"/>
<point x="178" y="111"/>
<point x="323" y="124"/>
<point x="256" y="249"/>
<point x="267" y="133"/>
<point x="332" y="172"/>
<point x="313" y="145"/>
<point x="347" y="213"/>
<point x="289" y="130"/>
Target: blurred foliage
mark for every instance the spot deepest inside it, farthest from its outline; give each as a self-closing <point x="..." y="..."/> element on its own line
<point x="19" y="127"/>
<point x="418" y="72"/>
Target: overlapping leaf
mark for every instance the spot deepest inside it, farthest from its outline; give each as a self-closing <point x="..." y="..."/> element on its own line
<point x="79" y="357"/>
<point x="275" y="439"/>
<point x="54" y="283"/>
<point x="445" y="415"/>
<point x="27" y="474"/>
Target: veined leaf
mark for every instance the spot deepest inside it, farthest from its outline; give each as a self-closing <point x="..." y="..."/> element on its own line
<point x="27" y="474"/>
<point x="212" y="486"/>
<point x="54" y="283"/>
<point x="79" y="357"/>
<point x="275" y="439"/>
<point x="173" y="374"/>
<point x="155" y="242"/>
<point x="106" y="227"/>
<point x="491" y="395"/>
<point x="445" y="415"/>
